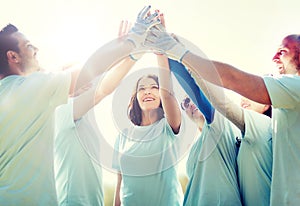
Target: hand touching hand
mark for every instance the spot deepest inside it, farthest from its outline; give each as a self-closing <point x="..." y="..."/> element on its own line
<point x="163" y="42"/>
<point x="144" y="22"/>
<point x="124" y="28"/>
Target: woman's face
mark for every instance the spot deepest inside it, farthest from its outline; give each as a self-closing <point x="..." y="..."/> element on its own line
<point x="148" y="94"/>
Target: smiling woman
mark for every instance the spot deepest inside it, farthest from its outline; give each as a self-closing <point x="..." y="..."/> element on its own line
<point x="147" y="151"/>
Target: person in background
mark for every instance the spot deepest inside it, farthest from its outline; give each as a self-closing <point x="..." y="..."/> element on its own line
<point x="214" y="150"/>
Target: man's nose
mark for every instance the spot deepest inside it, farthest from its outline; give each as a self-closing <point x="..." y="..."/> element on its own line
<point x="275" y="58"/>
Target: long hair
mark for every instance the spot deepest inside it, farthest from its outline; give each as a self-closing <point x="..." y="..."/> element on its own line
<point x="7" y="43"/>
<point x="134" y="110"/>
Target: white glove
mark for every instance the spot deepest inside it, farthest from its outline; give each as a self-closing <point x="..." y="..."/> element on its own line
<point x="160" y="40"/>
<point x="142" y="25"/>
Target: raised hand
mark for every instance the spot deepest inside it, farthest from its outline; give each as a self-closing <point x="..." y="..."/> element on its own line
<point x="145" y="20"/>
<point x="124" y="28"/>
<point x="158" y="39"/>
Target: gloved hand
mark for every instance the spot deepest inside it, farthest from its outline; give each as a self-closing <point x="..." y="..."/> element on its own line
<point x="124" y="28"/>
<point x="143" y="23"/>
<point x="159" y="39"/>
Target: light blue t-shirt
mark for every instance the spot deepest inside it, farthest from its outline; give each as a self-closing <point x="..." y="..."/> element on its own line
<point x="285" y="98"/>
<point x="255" y="160"/>
<point x="147" y="156"/>
<point x="213" y="180"/>
<point x="27" y="106"/>
<point x="78" y="177"/>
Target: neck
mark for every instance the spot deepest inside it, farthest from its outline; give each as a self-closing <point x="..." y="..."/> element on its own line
<point x="2" y="76"/>
<point x="149" y="117"/>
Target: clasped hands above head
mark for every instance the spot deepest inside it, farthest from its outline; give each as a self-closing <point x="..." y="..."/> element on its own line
<point x="149" y="33"/>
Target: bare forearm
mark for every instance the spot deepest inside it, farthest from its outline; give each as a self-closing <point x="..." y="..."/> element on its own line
<point x="113" y="78"/>
<point x="169" y="102"/>
<point x="103" y="59"/>
<point x="221" y="102"/>
<point x="227" y="76"/>
<point x="165" y="82"/>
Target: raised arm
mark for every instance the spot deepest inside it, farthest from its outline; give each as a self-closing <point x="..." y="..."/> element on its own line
<point x="112" y="52"/>
<point x="192" y="90"/>
<point x="215" y="94"/>
<point x="103" y="59"/>
<point x="169" y="102"/>
<point x="107" y="84"/>
<point x="218" y="73"/>
<point x="227" y="76"/>
<point x="84" y="102"/>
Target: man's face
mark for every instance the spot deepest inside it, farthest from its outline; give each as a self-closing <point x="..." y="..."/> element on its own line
<point x="191" y="110"/>
<point x="27" y="55"/>
<point x="287" y="57"/>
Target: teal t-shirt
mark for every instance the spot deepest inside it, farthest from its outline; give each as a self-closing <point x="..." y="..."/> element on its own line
<point x="27" y="106"/>
<point x="255" y="160"/>
<point x="194" y="154"/>
<point x="78" y="177"/>
<point x="214" y="179"/>
<point x="147" y="156"/>
<point x="285" y="98"/>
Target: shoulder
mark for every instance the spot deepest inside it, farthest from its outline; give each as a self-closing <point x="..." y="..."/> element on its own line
<point x="283" y="90"/>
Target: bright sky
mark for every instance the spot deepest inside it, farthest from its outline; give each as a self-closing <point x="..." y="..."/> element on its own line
<point x="242" y="33"/>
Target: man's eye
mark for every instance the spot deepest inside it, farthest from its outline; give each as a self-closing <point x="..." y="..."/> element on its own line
<point x="282" y="52"/>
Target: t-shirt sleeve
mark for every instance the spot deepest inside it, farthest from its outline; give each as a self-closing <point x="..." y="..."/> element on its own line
<point x="50" y="87"/>
<point x="283" y="90"/>
<point x="256" y="126"/>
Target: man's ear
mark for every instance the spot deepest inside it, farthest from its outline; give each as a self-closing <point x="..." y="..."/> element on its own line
<point x="12" y="57"/>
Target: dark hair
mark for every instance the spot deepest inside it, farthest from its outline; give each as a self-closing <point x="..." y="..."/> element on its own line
<point x="7" y="43"/>
<point x="134" y="110"/>
<point x="295" y="38"/>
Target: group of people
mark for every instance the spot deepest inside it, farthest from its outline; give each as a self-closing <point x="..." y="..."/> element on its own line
<point x="245" y="154"/>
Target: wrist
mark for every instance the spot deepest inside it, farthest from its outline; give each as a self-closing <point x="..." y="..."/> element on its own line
<point x="177" y="52"/>
<point x="131" y="38"/>
<point x="133" y="58"/>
